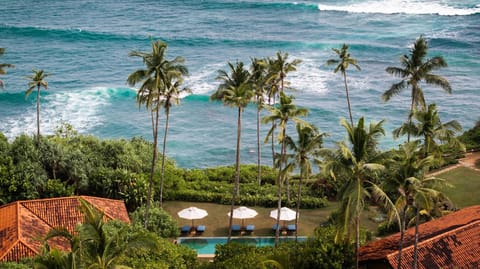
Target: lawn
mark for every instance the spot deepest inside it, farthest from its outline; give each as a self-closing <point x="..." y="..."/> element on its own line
<point x="465" y="192"/>
<point x="466" y="186"/>
<point x="217" y="220"/>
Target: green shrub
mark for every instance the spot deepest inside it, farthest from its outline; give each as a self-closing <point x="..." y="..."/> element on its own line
<point x="471" y="138"/>
<point x="14" y="265"/>
<point x="55" y="188"/>
<point x="159" y="221"/>
<point x="320" y="251"/>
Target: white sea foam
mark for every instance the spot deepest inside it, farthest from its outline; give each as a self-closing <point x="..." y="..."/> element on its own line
<point x="309" y="77"/>
<point x="203" y="81"/>
<point x="401" y="6"/>
<point x="81" y="108"/>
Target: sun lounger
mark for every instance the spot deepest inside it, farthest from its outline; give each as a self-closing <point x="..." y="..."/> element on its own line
<point x="250" y="228"/>
<point x="274" y="227"/>
<point x="236" y="228"/>
<point x="185" y="229"/>
<point x="291" y="228"/>
<point x="200" y="228"/>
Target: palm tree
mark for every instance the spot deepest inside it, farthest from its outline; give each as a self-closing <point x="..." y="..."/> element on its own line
<point x="359" y="161"/>
<point x="258" y="79"/>
<point x="153" y="83"/>
<point x="429" y="126"/>
<point x="93" y="246"/>
<point x="235" y="91"/>
<point x="272" y="90"/>
<point x="2" y="68"/>
<point x="415" y="69"/>
<point x="171" y="96"/>
<point x="37" y="80"/>
<point x="407" y="168"/>
<point x="305" y="149"/>
<point x="286" y="111"/>
<point x="52" y="258"/>
<point x="417" y="194"/>
<point x="280" y="68"/>
<point x="277" y="72"/>
<point x="343" y="63"/>
<point x="426" y="191"/>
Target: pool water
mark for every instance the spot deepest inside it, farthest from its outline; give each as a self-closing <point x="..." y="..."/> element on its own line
<point x="206" y="245"/>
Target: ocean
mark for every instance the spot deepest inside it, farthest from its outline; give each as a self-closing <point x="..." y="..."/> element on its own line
<point x="85" y="45"/>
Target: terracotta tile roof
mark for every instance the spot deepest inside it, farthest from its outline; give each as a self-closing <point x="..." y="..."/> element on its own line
<point x="452" y="241"/>
<point x="24" y="223"/>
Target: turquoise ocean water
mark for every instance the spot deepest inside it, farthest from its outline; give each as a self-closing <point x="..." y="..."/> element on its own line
<point x="84" y="44"/>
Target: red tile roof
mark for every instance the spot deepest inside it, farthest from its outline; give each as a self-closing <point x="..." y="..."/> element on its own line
<point x="452" y="241"/>
<point x="24" y="223"/>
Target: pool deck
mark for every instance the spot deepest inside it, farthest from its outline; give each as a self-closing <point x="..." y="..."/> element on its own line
<point x="205" y="257"/>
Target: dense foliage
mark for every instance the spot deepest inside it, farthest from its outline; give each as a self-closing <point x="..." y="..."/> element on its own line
<point x="356" y="173"/>
<point x="471" y="138"/>
<point x="112" y="244"/>
<point x="68" y="163"/>
<point x="319" y="251"/>
<point x="161" y="223"/>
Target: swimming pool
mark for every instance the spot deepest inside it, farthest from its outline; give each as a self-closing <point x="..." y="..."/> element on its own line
<point x="206" y="245"/>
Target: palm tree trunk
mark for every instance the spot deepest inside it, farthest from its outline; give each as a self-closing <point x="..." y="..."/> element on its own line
<point x="38" y="114"/>
<point x="236" y="188"/>
<point x="54" y="170"/>
<point x="152" y="114"/>
<point x="273" y="137"/>
<point x="279" y="192"/>
<point x="357" y="241"/>
<point x="230" y="219"/>
<point x="281" y="81"/>
<point x="410" y="117"/>
<point x="427" y="145"/>
<point x="237" y="159"/>
<point x="287" y="188"/>
<point x="402" y="235"/>
<point x="258" y="147"/>
<point x="162" y="178"/>
<point x="154" y="161"/>
<point x="348" y="97"/>
<point x="415" y="245"/>
<point x="299" y="199"/>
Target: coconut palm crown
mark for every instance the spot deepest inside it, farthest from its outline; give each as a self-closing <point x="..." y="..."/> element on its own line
<point x="343" y="62"/>
<point x="415" y="69"/>
<point x="235" y="90"/>
<point x="36" y="81"/>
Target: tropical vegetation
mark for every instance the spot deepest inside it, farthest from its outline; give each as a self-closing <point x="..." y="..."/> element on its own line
<point x="36" y="81"/>
<point x="356" y="173"/>
<point x="160" y="83"/>
<point x="416" y="68"/>
<point x="235" y="91"/>
<point x="343" y="62"/>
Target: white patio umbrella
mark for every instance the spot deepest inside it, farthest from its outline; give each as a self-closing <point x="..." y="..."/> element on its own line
<point x="286" y="214"/>
<point x="192" y="213"/>
<point x="243" y="213"/>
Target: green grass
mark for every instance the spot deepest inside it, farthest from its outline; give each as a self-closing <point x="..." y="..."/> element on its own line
<point x="466" y="186"/>
<point x="217" y="220"/>
<point x="465" y="192"/>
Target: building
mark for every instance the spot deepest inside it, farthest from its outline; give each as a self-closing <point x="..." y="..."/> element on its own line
<point x="452" y="241"/>
<point x="23" y="224"/>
